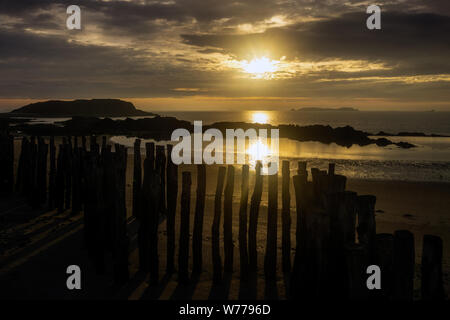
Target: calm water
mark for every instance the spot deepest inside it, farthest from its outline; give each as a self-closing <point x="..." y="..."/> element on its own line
<point x="430" y="161"/>
<point x="369" y="121"/>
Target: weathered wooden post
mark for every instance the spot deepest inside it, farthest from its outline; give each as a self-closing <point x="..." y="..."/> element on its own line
<point x="172" y="193"/>
<point x="76" y="177"/>
<point x="432" y="283"/>
<point x="298" y="269"/>
<point x="366" y="222"/>
<point x="153" y="207"/>
<point x="183" y="255"/>
<point x="103" y="144"/>
<point x="198" y="220"/>
<point x="228" y="220"/>
<point x="60" y="181"/>
<point x="357" y="263"/>
<point x="83" y="143"/>
<point x="253" y="219"/>
<point x="137" y="177"/>
<point x="215" y="229"/>
<point x="341" y="208"/>
<point x="91" y="200"/>
<point x="22" y="170"/>
<point x="150" y="154"/>
<point x="99" y="217"/>
<point x="331" y="169"/>
<point x="31" y="190"/>
<point x="68" y="173"/>
<point x="270" y="261"/>
<point x="42" y="171"/>
<point x="145" y="214"/>
<point x="301" y="170"/>
<point x="121" y="271"/>
<point x="161" y="170"/>
<point x="286" y="218"/>
<point x="243" y="222"/>
<point x="52" y="175"/>
<point x="404" y="263"/>
<point x="384" y="258"/>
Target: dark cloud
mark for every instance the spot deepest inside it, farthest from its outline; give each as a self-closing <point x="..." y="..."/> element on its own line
<point x="408" y="43"/>
<point x="40" y="58"/>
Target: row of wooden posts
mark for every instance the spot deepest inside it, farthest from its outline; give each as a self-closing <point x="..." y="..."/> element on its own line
<point x="328" y="261"/>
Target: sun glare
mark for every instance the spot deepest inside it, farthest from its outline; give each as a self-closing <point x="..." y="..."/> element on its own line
<point x="258" y="151"/>
<point x="259" y="66"/>
<point x="260" y="117"/>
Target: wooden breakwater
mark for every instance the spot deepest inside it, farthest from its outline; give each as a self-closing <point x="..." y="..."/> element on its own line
<point x="336" y="238"/>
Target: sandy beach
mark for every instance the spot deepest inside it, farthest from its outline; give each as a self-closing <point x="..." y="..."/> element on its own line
<point x="419" y="207"/>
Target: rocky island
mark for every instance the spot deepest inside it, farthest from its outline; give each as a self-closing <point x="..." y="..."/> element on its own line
<point x="87" y="108"/>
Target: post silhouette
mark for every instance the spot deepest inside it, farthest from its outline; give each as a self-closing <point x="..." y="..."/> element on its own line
<point x="215" y="229"/>
<point x="198" y="220"/>
<point x="253" y="222"/>
<point x="243" y="222"/>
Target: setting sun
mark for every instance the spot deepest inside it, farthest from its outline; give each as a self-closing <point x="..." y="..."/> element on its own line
<point x="259" y="66"/>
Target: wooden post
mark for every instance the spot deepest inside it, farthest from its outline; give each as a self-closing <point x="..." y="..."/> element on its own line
<point x="432" y="284"/>
<point x="150" y="154"/>
<point x="286" y="217"/>
<point x="298" y="288"/>
<point x="253" y="222"/>
<point x="301" y="170"/>
<point x="31" y="194"/>
<point x="357" y="262"/>
<point x="52" y="175"/>
<point x="145" y="214"/>
<point x="366" y="222"/>
<point x="83" y="143"/>
<point x="215" y="229"/>
<point x="76" y="178"/>
<point x="60" y="181"/>
<point x="153" y="207"/>
<point x="270" y="261"/>
<point x="228" y="220"/>
<point x="42" y="171"/>
<point x="404" y="263"/>
<point x="103" y="144"/>
<point x="183" y="256"/>
<point x="384" y="258"/>
<point x="21" y="167"/>
<point x="172" y="193"/>
<point x="198" y="222"/>
<point x="341" y="208"/>
<point x="331" y="169"/>
<point x="137" y="177"/>
<point x="121" y="271"/>
<point x="160" y="166"/>
<point x="68" y="174"/>
<point x="243" y="221"/>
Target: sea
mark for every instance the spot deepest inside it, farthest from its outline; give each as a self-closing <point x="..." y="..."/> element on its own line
<point x="428" y="162"/>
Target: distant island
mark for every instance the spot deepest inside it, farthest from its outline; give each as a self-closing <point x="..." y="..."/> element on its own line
<point x="87" y="108"/>
<point x="325" y="109"/>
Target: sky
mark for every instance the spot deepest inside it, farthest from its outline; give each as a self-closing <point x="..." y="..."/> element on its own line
<point x="228" y="55"/>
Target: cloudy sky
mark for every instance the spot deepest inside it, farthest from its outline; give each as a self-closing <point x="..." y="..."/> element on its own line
<point x="225" y="54"/>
